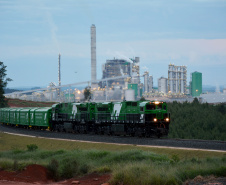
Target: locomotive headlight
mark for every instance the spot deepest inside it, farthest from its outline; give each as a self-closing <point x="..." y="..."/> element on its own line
<point x="167" y="119"/>
<point x="155" y="119"/>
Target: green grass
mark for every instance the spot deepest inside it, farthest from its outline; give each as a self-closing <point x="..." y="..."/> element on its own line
<point x="127" y="167"/>
<point x="8" y="142"/>
<point x="165" y="173"/>
<point x="129" y="164"/>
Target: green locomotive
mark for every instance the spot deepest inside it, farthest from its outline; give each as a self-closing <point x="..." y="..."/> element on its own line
<point x="141" y="118"/>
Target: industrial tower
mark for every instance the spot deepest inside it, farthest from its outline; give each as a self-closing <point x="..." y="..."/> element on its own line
<point x="93" y="53"/>
<point x="177" y="79"/>
<point x="196" y="84"/>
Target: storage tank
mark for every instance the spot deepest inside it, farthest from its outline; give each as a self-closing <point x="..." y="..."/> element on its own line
<point x="162" y="85"/>
<point x="129" y="95"/>
<point x="134" y="87"/>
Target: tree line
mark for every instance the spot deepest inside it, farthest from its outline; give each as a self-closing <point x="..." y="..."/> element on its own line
<point x="197" y="121"/>
<point x="3" y="83"/>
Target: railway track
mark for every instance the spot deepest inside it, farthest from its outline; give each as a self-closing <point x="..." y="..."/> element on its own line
<point x="149" y="142"/>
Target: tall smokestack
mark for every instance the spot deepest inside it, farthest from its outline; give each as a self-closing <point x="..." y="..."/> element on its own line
<point x="93" y="52"/>
<point x="59" y="77"/>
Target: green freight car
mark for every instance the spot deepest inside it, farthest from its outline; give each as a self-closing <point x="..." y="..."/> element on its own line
<point x="24" y="117"/>
<point x="41" y="118"/>
<point x="2" y="115"/>
<point x="27" y="117"/>
<point x="33" y="116"/>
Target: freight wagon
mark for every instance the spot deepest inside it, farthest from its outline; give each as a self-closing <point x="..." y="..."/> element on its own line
<point x="27" y="117"/>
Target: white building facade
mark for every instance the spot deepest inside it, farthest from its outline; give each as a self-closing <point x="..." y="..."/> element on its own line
<point x="177" y="79"/>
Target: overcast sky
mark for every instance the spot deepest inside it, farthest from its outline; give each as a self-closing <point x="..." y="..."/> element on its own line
<point x="160" y="32"/>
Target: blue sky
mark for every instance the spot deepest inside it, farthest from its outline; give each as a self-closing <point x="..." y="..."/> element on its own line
<point x="160" y="32"/>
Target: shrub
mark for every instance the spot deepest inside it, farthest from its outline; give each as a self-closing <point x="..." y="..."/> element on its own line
<point x="103" y="169"/>
<point x="32" y="147"/>
<point x="84" y="169"/>
<point x="15" y="165"/>
<point x="195" y="160"/>
<point x="93" y="154"/>
<point x="175" y="158"/>
<point x="6" y="165"/>
<point x="69" y="167"/>
<point x="53" y="169"/>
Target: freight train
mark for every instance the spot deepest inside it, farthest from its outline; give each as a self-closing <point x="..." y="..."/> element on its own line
<point x="134" y="118"/>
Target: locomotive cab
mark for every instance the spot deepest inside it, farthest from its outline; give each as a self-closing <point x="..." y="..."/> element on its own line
<point x="156" y="117"/>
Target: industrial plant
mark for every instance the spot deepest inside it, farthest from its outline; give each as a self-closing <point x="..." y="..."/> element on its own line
<point x="121" y="80"/>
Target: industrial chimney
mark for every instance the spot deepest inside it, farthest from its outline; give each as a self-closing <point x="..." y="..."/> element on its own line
<point x="93" y="53"/>
<point x="59" y="77"/>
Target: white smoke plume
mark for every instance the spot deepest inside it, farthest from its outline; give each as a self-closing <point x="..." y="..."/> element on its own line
<point x="121" y="56"/>
<point x="51" y="23"/>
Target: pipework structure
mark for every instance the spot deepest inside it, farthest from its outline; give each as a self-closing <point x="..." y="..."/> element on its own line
<point x="120" y="67"/>
<point x="93" y="52"/>
<point x="177" y="79"/>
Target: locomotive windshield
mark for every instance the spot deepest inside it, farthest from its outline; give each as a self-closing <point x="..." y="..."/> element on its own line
<point x="150" y="107"/>
<point x="153" y="106"/>
<point x="159" y="106"/>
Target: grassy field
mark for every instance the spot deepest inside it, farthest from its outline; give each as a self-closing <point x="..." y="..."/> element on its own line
<point x="9" y="142"/>
<point x="129" y="164"/>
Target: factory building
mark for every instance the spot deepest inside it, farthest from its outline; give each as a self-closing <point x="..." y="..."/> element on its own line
<point x="196" y="84"/>
<point x="177" y="79"/>
<point x="121" y="67"/>
<point x="162" y="85"/>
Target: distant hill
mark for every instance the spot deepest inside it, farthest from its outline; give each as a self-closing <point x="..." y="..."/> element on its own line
<point x="211" y="88"/>
<point x="42" y="87"/>
<point x="7" y="90"/>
